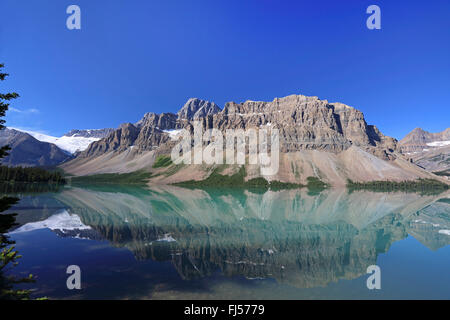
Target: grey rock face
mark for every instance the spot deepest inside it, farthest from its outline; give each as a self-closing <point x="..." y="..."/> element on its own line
<point x="304" y="123"/>
<point x="90" y="133"/>
<point x="28" y="151"/>
<point x="150" y="138"/>
<point x="425" y="224"/>
<point x="195" y="108"/>
<point x="119" y="140"/>
<point x="148" y="133"/>
<point x="290" y="247"/>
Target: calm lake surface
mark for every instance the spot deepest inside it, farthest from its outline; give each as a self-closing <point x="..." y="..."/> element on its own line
<point x="176" y="243"/>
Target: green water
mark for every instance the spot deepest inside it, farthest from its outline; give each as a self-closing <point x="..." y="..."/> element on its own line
<point x="177" y="243"/>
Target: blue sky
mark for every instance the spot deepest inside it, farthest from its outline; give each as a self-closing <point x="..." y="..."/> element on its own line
<point x="132" y="57"/>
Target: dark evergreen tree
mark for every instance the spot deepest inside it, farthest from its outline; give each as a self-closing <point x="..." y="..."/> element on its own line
<point x="32" y="175"/>
<point x="8" y="254"/>
<point x="4" y="104"/>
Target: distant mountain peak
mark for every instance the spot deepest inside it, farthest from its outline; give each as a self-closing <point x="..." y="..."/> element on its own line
<point x="419" y="140"/>
<point x="28" y="151"/>
<point x="72" y="142"/>
<point x="89" y="133"/>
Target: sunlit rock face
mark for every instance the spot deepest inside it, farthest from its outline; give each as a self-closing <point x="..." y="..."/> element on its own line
<point x="330" y="141"/>
<point x="305" y="123"/>
<point x="94" y="133"/>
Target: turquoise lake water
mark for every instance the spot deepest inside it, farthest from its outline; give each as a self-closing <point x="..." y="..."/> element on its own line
<point x="176" y="243"/>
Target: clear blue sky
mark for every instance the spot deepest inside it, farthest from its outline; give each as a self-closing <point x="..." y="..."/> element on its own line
<point x="132" y="57"/>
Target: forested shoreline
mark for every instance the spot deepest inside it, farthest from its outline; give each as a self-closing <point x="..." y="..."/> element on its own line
<point x="30" y="175"/>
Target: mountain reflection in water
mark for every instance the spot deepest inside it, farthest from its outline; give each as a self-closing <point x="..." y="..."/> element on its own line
<point x="296" y="238"/>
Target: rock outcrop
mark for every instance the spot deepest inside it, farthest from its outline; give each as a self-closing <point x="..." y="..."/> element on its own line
<point x="118" y="140"/>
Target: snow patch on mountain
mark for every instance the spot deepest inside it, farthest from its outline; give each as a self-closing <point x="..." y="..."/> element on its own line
<point x="173" y="133"/>
<point x="439" y="143"/>
<point x="70" y="144"/>
<point x="167" y="238"/>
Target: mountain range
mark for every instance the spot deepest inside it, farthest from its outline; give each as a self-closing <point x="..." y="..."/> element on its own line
<point x="30" y="148"/>
<point x="329" y="141"/>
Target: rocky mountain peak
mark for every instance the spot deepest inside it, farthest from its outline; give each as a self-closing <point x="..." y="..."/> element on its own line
<point x="163" y="121"/>
<point x="149" y="116"/>
<point x="418" y="131"/>
<point x="119" y="139"/>
<point x="196" y="108"/>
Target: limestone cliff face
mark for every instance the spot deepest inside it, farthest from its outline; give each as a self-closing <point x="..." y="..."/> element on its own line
<point x="305" y="123"/>
<point x="118" y="140"/>
<point x="150" y="132"/>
